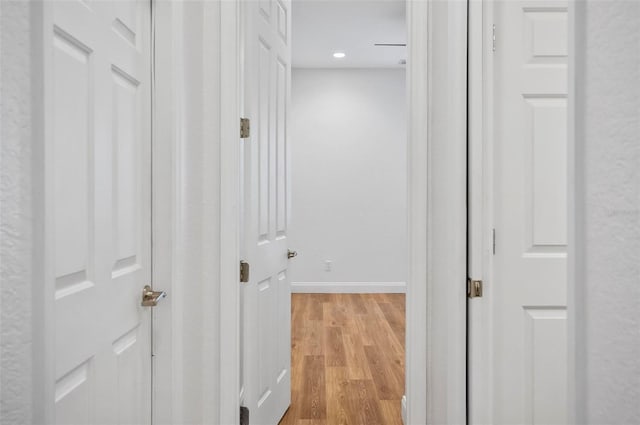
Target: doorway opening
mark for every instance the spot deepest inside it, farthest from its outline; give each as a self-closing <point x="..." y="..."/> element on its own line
<point x="325" y="211"/>
<point x="436" y="213"/>
<point x="348" y="147"/>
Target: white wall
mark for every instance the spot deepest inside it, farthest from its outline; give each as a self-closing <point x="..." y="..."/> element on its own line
<point x="16" y="274"/>
<point x="349" y="167"/>
<point x="604" y="306"/>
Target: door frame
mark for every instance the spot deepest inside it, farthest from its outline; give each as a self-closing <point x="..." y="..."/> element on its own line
<point x="433" y="339"/>
<point x="481" y="198"/>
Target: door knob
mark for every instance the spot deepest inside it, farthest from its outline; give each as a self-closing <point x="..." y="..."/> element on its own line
<point x="291" y="254"/>
<point x="150" y="297"/>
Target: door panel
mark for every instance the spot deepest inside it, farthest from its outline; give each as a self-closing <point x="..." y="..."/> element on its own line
<point x="98" y="208"/>
<point x="266" y="320"/>
<point x="530" y="285"/>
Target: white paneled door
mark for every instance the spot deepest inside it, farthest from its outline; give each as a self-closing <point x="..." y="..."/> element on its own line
<point x="529" y="292"/>
<point x="98" y="208"/>
<point x="266" y="298"/>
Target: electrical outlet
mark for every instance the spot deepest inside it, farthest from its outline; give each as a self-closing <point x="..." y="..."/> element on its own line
<point x="328" y="265"/>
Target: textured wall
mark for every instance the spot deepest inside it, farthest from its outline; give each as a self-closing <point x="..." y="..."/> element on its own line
<point x="606" y="300"/>
<point x="15" y="215"/>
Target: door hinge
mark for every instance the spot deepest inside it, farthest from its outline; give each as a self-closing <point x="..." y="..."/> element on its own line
<point x="474" y="288"/>
<point x="245" y="128"/>
<point x="244" y="271"/>
<point x="244" y="415"/>
<point x="493" y="37"/>
<point x="493" y="245"/>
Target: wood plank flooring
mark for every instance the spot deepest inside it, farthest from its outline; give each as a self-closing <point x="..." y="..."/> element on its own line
<point x="347" y="359"/>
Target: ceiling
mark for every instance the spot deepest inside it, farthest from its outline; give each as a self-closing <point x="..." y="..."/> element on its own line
<point x="322" y="27"/>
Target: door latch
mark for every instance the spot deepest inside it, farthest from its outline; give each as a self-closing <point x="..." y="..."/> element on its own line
<point x="474" y="288"/>
<point x="244" y="271"/>
<point x="244" y="415"/>
<point x="245" y="128"/>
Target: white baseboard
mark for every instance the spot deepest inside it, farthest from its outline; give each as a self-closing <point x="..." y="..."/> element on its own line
<point x="348" y="287"/>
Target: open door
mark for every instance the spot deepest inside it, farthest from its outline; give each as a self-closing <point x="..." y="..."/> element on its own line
<point x="98" y="205"/>
<point x="266" y="298"/>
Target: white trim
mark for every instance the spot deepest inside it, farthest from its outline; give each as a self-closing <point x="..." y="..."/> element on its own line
<point x="437" y="90"/>
<point x="576" y="382"/>
<point x="167" y="108"/>
<point x="417" y="303"/>
<point x="348" y="287"/>
<point x="43" y="289"/>
<point x="229" y="248"/>
<point x="481" y="140"/>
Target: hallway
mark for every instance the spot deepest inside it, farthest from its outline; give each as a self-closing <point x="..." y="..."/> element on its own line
<point x="347" y="359"/>
<point x="158" y="160"/>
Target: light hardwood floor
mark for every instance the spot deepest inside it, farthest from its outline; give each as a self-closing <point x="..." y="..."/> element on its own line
<point x="347" y="359"/>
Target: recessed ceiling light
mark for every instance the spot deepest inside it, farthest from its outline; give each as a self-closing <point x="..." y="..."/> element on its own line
<point x="339" y="55"/>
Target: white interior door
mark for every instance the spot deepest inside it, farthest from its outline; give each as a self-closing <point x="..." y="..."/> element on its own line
<point x="98" y="209"/>
<point x="267" y="297"/>
<point x="529" y="291"/>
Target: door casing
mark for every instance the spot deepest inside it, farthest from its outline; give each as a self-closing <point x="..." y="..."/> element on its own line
<point x="480" y="258"/>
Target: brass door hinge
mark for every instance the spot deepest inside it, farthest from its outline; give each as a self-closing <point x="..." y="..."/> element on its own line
<point x="244" y="271"/>
<point x="245" y="128"/>
<point x="493" y="235"/>
<point x="474" y="288"/>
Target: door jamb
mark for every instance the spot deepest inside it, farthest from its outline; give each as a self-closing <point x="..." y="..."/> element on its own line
<point x="479" y="383"/>
<point x="230" y="200"/>
<point x="417" y="308"/>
